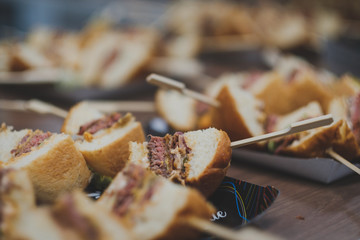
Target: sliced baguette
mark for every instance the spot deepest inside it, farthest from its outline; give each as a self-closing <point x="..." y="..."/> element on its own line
<point x="240" y="114"/>
<point x="208" y="160"/>
<point x="20" y="219"/>
<point x="81" y="218"/>
<point x="178" y="110"/>
<point x="54" y="167"/>
<point x="160" y="208"/>
<point x="106" y="151"/>
<point x="135" y="49"/>
<point x="312" y="109"/>
<point x="314" y="143"/>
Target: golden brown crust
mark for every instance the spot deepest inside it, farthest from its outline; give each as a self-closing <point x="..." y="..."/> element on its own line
<point x="273" y="96"/>
<point x="215" y="172"/>
<point x="204" y="121"/>
<point x="195" y="206"/>
<point x="68" y="117"/>
<point x="338" y="136"/>
<point x="305" y="90"/>
<point x="60" y="170"/>
<point x="112" y="158"/>
<point x="345" y="142"/>
<point x="228" y="118"/>
<point x="160" y="109"/>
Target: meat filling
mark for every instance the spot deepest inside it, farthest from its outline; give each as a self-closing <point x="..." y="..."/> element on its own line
<point x="168" y="156"/>
<point x="70" y="217"/>
<point x="99" y="124"/>
<point x="29" y="141"/>
<point x="250" y="80"/>
<point x="355" y="116"/>
<point x="140" y="187"/>
<point x="270" y="123"/>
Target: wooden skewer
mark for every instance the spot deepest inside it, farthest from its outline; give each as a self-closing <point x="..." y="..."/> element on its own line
<point x="342" y="160"/>
<point x="32" y="105"/>
<point x="165" y="82"/>
<point x="246" y="233"/>
<point x="103" y="106"/>
<point x="113" y="106"/>
<point x="43" y="107"/>
<point x="294" y="128"/>
<point x="37" y="76"/>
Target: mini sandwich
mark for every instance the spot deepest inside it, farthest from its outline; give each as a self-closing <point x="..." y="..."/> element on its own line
<point x="311" y="143"/>
<point x="152" y="206"/>
<point x="276" y="122"/>
<point x="241" y="115"/>
<point x="303" y="83"/>
<point x="52" y="161"/>
<point x="133" y="51"/>
<point x="314" y="143"/>
<point x="178" y="110"/>
<point x="73" y="216"/>
<point x="102" y="139"/>
<point x="19" y="218"/>
<point x="198" y="158"/>
<point x="347" y="109"/>
<point x="265" y="86"/>
<point x="79" y="217"/>
<point x="25" y="57"/>
<point x="346" y="86"/>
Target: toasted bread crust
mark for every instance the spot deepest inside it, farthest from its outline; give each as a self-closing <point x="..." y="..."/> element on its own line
<point x="64" y="127"/>
<point x="314" y="90"/>
<point x="338" y="136"/>
<point x="215" y="172"/>
<point x="195" y="206"/>
<point x="112" y="158"/>
<point x="60" y="170"/>
<point x="228" y="118"/>
<point x="188" y="126"/>
<point x="345" y="142"/>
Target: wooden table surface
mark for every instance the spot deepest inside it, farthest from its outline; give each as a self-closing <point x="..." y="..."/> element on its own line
<point x="303" y="210"/>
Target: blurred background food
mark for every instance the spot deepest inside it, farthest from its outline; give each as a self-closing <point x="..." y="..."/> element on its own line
<point x="108" y="44"/>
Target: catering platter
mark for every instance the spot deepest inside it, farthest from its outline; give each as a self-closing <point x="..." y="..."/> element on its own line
<point x="324" y="170"/>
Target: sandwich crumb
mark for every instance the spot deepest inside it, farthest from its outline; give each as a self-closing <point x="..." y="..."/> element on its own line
<point x="88" y="136"/>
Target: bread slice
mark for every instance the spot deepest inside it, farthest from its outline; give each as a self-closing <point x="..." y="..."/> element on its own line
<point x="312" y="109"/>
<point x="16" y="195"/>
<point x="178" y="110"/>
<point x="347" y="109"/>
<point x="81" y="218"/>
<point x="314" y="143"/>
<point x="306" y="88"/>
<point x="54" y="167"/>
<point x="346" y="86"/>
<point x="135" y="49"/>
<point x="154" y="207"/>
<point x="24" y="57"/>
<point x="73" y="216"/>
<point x="240" y="114"/>
<point x="206" y="163"/>
<point x="338" y="108"/>
<point x="96" y="56"/>
<point x="107" y="150"/>
<point x="20" y="219"/>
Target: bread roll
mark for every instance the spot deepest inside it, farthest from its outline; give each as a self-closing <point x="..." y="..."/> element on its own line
<point x="106" y="151"/>
<point x="240" y="114"/>
<point x="54" y="167"/>
<point x="203" y="166"/>
<point x="154" y="207"/>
